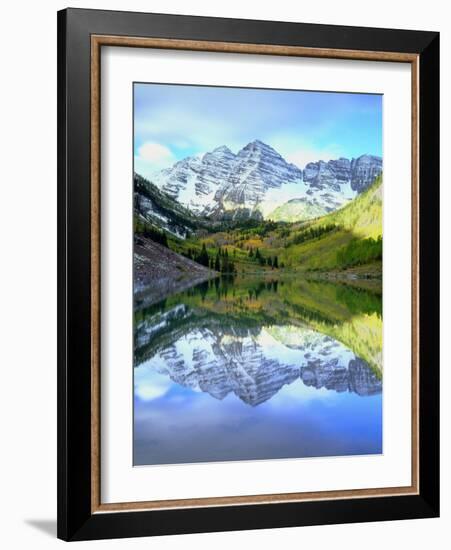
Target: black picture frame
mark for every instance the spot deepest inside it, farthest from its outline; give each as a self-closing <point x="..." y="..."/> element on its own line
<point x="75" y="518"/>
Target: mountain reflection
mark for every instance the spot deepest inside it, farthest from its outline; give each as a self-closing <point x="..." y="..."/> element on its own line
<point x="226" y="339"/>
<point x="255" y="369"/>
<point x="255" y="363"/>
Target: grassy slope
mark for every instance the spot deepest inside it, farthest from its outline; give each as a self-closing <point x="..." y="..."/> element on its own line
<point x="361" y="218"/>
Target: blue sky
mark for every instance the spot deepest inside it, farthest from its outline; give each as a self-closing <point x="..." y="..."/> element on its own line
<point x="175" y="121"/>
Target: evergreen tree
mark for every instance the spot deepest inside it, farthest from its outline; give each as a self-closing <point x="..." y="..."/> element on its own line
<point x="275" y="263"/>
<point x="138" y="202"/>
<point x="153" y="233"/>
<point x="203" y="257"/>
<point x="217" y="266"/>
<point x="225" y="264"/>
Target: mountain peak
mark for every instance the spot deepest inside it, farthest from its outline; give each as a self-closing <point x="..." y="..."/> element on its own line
<point x="258" y="144"/>
<point x="222" y="149"/>
<point x="368" y="156"/>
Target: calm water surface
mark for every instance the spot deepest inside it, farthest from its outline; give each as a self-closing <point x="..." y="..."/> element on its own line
<point x="253" y="368"/>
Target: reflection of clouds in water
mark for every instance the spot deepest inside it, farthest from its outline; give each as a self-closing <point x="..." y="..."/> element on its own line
<point x="148" y="387"/>
<point x="175" y="424"/>
<point x="300" y="421"/>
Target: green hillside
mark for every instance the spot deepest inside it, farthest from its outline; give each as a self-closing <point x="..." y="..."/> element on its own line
<point x="354" y="236"/>
<point x="362" y="216"/>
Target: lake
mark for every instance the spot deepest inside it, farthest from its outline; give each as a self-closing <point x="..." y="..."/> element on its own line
<point x="258" y="368"/>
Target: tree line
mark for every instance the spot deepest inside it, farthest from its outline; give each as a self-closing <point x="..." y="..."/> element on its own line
<point x="312" y="233"/>
<point x="146" y="230"/>
<point x="360" y="251"/>
<point x="221" y="262"/>
<point x="270" y="261"/>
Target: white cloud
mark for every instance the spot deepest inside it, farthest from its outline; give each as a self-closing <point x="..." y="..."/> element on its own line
<point x="152" y="157"/>
<point x="155" y="153"/>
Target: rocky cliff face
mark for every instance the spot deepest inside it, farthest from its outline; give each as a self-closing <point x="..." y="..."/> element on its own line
<point x="258" y="179"/>
<point x="356" y="377"/>
<point x="357" y="173"/>
<point x="257" y="168"/>
<point x="194" y="181"/>
<point x="364" y="170"/>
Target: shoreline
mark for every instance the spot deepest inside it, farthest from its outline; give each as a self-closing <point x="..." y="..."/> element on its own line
<point x="160" y="272"/>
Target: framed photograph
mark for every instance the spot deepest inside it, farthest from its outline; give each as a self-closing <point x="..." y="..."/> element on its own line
<point x="248" y="274"/>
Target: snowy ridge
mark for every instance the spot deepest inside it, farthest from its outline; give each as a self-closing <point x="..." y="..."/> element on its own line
<point x="258" y="180"/>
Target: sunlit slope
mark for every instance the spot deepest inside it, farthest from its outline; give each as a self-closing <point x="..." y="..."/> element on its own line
<point x="363" y="216"/>
<point x="295" y="210"/>
<point x="360" y="219"/>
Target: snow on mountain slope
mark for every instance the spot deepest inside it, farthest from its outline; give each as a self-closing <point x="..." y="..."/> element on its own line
<point x="194" y="181"/>
<point x="258" y="180"/>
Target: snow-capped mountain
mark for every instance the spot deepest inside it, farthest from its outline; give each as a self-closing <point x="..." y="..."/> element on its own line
<point x="258" y="180"/>
<point x="359" y="172"/>
<point x="194" y="181"/>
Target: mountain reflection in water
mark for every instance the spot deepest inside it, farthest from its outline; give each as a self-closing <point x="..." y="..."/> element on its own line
<point x="258" y="369"/>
